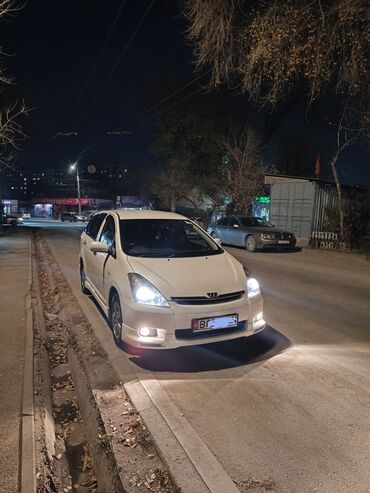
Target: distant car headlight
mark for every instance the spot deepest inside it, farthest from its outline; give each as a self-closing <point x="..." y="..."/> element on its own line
<point x="267" y="236"/>
<point x="253" y="287"/>
<point x="144" y="292"/>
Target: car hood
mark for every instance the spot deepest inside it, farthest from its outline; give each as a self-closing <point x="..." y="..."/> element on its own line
<point x="191" y="276"/>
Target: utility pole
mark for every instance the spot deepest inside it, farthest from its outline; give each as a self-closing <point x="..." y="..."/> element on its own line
<point x="78" y="193"/>
<point x="74" y="166"/>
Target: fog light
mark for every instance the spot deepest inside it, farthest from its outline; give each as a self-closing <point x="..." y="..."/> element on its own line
<point x="147" y="332"/>
<point x="258" y="317"/>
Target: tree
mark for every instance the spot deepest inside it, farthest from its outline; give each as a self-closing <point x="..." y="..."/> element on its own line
<point x="10" y="128"/>
<point x="241" y="177"/>
<point x="272" y="51"/>
<point x="187" y="143"/>
<point x="173" y="183"/>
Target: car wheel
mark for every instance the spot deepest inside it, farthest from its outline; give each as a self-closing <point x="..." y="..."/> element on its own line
<point x="75" y="219"/>
<point x="62" y="220"/>
<point x="116" y="319"/>
<point x="250" y="243"/>
<point x="83" y="280"/>
<point x="14" y="223"/>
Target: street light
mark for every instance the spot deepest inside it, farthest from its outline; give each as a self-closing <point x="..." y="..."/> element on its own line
<point x="75" y="167"/>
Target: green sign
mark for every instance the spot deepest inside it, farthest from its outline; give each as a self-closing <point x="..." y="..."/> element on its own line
<point x="263" y="200"/>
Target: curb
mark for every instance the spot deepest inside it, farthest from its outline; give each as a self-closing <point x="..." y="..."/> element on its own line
<point x="27" y="454"/>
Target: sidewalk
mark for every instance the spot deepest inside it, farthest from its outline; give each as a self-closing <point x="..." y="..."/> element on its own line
<point x="14" y="272"/>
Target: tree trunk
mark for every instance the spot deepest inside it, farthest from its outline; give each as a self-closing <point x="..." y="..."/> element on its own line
<point x="339" y="197"/>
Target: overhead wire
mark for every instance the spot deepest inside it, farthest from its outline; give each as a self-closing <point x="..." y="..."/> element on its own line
<point x="122" y="53"/>
<point x="88" y="149"/>
<point x="167" y="98"/>
<point x="168" y="108"/>
<point x="95" y="66"/>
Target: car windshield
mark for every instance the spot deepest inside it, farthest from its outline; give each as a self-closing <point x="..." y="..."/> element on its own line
<point x="165" y="238"/>
<point x="248" y="222"/>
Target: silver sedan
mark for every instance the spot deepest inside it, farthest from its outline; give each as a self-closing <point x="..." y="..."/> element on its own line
<point x="251" y="232"/>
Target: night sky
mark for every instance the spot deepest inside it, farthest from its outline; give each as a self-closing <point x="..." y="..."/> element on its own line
<point x="56" y="45"/>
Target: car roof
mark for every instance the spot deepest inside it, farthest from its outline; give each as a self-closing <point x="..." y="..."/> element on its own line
<point x="145" y="214"/>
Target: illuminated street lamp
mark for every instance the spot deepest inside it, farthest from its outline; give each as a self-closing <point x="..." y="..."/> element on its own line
<point x="75" y="167"/>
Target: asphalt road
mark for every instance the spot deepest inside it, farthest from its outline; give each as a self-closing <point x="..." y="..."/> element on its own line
<point x="289" y="407"/>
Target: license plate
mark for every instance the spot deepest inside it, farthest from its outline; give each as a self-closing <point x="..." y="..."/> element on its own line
<point x="215" y="323"/>
<point x="283" y="242"/>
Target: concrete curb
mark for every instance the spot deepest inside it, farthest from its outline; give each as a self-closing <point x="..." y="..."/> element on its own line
<point x="105" y="467"/>
<point x="27" y="455"/>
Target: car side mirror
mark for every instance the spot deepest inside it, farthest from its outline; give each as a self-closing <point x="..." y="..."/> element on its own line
<point x="99" y="247"/>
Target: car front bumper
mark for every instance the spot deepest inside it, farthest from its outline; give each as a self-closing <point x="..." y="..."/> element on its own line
<point x="174" y="324"/>
<point x="275" y="243"/>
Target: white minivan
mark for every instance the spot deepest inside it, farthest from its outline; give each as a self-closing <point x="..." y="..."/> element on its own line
<point x="163" y="282"/>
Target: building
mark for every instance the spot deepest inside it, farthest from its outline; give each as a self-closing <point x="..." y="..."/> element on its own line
<point x="47" y="207"/>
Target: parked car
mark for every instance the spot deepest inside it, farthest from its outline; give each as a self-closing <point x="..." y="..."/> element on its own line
<point x="199" y="221"/>
<point x="72" y="217"/>
<point x="9" y="220"/>
<point x="251" y="232"/>
<point x="26" y="215"/>
<point x="163" y="282"/>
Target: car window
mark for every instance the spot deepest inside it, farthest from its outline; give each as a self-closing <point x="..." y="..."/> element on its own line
<point x="223" y="221"/>
<point x="232" y="222"/>
<point x="248" y="222"/>
<point x="108" y="235"/>
<point x="165" y="238"/>
<point x="93" y="226"/>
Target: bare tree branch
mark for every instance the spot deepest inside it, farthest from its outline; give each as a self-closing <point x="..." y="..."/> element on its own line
<point x="242" y="173"/>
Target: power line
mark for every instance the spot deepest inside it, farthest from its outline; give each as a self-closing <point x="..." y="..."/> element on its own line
<point x="168" y="108"/>
<point x="93" y="70"/>
<point x="120" y="56"/>
<point x="110" y="137"/>
<point x="167" y="97"/>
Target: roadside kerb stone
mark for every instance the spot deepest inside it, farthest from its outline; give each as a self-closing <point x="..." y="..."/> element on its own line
<point x="27" y="469"/>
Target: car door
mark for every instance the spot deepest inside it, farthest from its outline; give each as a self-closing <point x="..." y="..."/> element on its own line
<point x="106" y="262"/>
<point x="221" y="229"/>
<point x="88" y="236"/>
<point x="234" y="231"/>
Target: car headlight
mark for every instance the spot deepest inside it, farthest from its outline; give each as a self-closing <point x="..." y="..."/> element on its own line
<point x="267" y="236"/>
<point x="253" y="287"/>
<point x="144" y="292"/>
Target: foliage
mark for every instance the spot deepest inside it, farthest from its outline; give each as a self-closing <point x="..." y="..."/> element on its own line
<point x="241" y="177"/>
<point x="356" y="217"/>
<point x="187" y="142"/>
<point x="270" y="48"/>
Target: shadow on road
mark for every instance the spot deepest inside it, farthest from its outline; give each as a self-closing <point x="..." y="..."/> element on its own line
<point x="211" y="357"/>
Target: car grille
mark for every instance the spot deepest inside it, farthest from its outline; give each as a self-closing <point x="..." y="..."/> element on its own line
<point x="205" y="300"/>
<point x="190" y="334"/>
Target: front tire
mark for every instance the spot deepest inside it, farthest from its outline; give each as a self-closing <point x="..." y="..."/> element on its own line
<point x="250" y="243"/>
<point x="83" y="280"/>
<point x="115" y="316"/>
